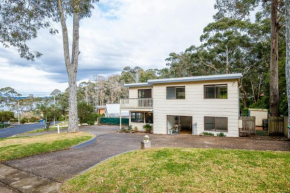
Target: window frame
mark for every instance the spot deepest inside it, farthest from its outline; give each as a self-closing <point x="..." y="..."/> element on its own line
<point x="143" y="115"/>
<point x="144" y="89"/>
<point x="175" y="92"/>
<point x="215" y="130"/>
<point x="204" y="95"/>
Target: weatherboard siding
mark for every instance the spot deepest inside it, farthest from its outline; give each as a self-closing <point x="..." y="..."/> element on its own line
<point x="193" y="105"/>
<point x="196" y="106"/>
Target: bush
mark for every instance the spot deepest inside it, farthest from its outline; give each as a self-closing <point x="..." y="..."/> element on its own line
<point x="61" y="118"/>
<point x="245" y="112"/>
<point x="13" y="120"/>
<point x="5" y="116"/>
<point x="23" y="120"/>
<point x="221" y="135"/>
<point x="33" y="119"/>
<point x="91" y="122"/>
<point x="135" y="128"/>
<point x="208" y="134"/>
<point x="148" y="128"/>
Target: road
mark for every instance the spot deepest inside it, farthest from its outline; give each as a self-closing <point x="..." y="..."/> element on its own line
<point x="16" y="129"/>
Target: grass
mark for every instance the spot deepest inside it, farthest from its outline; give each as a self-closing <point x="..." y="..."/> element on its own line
<point x="43" y="130"/>
<point x="18" y="147"/>
<point x="187" y="170"/>
<point x="262" y="133"/>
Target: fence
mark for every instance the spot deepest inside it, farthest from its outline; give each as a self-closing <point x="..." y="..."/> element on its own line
<point x="113" y="121"/>
<point x="276" y="125"/>
<point x="247" y="125"/>
<point x="286" y="126"/>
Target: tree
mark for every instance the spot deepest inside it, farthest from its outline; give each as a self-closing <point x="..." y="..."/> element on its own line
<point x="49" y="112"/>
<point x="85" y="112"/>
<point x="240" y="9"/>
<point x="21" y="20"/>
<point x="288" y="54"/>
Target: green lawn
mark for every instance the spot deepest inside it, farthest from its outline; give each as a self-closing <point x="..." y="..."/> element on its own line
<point x="187" y="170"/>
<point x="18" y="147"/>
<point x="44" y="130"/>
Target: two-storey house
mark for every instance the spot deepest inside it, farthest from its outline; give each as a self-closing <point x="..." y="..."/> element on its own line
<point x="191" y="105"/>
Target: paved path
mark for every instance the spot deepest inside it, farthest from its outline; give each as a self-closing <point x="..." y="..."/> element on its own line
<point x="16" y="129"/>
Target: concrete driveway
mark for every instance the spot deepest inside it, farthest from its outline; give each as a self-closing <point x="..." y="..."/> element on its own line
<point x="16" y="129"/>
<point x="62" y="165"/>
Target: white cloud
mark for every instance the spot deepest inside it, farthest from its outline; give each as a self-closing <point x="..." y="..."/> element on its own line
<point x="28" y="80"/>
<point x="120" y="33"/>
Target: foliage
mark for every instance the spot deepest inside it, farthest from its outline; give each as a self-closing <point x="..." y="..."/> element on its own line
<point x="221" y="135"/>
<point x="49" y="112"/>
<point x="85" y="112"/>
<point x="135" y="128"/>
<point x="148" y="128"/>
<point x="33" y="119"/>
<point x="208" y="133"/>
<point x="6" y="116"/>
<point x="245" y="112"/>
<point x="24" y="120"/>
<point x="187" y="170"/>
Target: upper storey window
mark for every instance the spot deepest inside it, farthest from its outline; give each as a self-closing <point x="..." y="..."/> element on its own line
<point x="177" y="92"/>
<point x="216" y="91"/>
<point x="144" y="93"/>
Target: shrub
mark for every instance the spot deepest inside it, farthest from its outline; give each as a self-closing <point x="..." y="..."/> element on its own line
<point x="208" y="134"/>
<point x="135" y="128"/>
<point x="91" y="122"/>
<point x="148" y="128"/>
<point x="13" y="120"/>
<point x="221" y="135"/>
<point x="33" y="119"/>
<point x="5" y="116"/>
<point x="23" y="120"/>
<point x="61" y="118"/>
<point x="245" y="112"/>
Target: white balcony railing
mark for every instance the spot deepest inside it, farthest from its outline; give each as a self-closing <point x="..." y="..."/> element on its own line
<point x="136" y="103"/>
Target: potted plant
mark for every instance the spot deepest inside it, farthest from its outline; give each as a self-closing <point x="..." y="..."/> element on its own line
<point x="148" y="128"/>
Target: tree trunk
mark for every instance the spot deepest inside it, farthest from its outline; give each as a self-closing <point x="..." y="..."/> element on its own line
<point x="287" y="2"/>
<point x="227" y="58"/>
<point x="274" y="83"/>
<point x="244" y="97"/>
<point x="71" y="65"/>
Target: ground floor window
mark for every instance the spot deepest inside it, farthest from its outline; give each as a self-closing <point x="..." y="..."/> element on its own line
<point x="140" y="117"/>
<point x="137" y="117"/>
<point x="148" y="117"/>
<point x="216" y="124"/>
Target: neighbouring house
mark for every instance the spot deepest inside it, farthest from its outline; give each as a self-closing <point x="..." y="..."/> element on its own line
<point x="191" y="105"/>
<point x="100" y="109"/>
<point x="259" y="114"/>
<point x="113" y="110"/>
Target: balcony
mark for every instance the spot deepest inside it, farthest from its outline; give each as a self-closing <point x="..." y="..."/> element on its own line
<point x="136" y="103"/>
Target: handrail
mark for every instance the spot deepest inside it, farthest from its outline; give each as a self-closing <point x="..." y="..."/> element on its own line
<point x="136" y="103"/>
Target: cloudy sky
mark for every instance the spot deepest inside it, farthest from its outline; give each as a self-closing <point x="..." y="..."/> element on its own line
<point x="120" y="33"/>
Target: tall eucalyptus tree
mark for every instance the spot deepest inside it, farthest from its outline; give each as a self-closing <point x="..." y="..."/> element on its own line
<point x="20" y="21"/>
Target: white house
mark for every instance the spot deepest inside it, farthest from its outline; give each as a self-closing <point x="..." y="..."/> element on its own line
<point x="186" y="105"/>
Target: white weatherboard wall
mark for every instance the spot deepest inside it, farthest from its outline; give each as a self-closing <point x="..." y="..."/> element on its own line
<point x="196" y="106"/>
<point x="133" y="94"/>
<point x="260" y="114"/>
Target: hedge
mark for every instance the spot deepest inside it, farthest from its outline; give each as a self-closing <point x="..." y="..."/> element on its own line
<point x="113" y="121"/>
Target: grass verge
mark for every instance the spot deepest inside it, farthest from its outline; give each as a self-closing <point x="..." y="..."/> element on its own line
<point x="18" y="147"/>
<point x="43" y="130"/>
<point x="187" y="170"/>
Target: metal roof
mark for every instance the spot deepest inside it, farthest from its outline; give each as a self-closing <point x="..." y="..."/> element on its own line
<point x="187" y="79"/>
